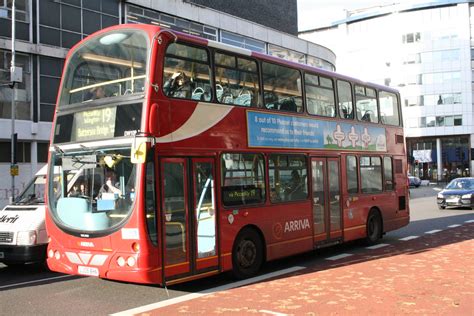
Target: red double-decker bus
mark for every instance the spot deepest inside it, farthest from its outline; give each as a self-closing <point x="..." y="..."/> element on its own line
<point x="182" y="157"/>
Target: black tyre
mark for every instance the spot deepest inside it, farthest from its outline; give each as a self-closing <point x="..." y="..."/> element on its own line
<point x="441" y="207"/>
<point x="247" y="254"/>
<point x="374" y="228"/>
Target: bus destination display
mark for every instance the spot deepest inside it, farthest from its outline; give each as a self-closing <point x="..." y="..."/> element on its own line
<point x="89" y="125"/>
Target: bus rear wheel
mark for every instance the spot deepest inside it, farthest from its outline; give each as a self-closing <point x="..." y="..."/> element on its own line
<point x="247" y="254"/>
<point x="374" y="228"/>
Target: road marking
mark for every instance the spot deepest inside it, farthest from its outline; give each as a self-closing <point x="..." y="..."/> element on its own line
<point x="343" y="255"/>
<point x="408" y="238"/>
<point x="469" y="221"/>
<point x="455" y="225"/>
<point x="271" y="313"/>
<point x="377" y="246"/>
<point x="35" y="281"/>
<point x="433" y="231"/>
<point x="188" y="297"/>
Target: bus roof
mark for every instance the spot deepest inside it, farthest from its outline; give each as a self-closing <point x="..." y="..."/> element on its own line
<point x="152" y="30"/>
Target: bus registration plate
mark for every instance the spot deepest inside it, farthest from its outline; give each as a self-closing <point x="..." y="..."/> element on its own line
<point x="88" y="271"/>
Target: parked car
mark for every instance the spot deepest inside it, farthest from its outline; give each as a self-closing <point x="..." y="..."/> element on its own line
<point x="458" y="193"/>
<point x="414" y="181"/>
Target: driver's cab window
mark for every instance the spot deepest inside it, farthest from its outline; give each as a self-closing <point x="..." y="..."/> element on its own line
<point x="366" y="104"/>
<point x="187" y="73"/>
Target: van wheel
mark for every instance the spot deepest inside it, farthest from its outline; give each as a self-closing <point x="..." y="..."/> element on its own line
<point x="374" y="228"/>
<point x="247" y="254"/>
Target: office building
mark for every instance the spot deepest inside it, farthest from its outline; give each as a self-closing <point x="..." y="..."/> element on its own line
<point x="426" y="50"/>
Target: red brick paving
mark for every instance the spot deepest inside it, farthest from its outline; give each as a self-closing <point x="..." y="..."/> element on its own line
<point x="430" y="275"/>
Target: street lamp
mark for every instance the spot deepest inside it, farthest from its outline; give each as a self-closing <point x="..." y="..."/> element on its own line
<point x="15" y="77"/>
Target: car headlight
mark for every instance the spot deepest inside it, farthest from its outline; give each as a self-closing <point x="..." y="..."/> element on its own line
<point x="440" y="196"/>
<point x="27" y="238"/>
<point x="466" y="196"/>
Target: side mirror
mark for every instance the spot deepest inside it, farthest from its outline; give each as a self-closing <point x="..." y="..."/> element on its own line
<point x="138" y="150"/>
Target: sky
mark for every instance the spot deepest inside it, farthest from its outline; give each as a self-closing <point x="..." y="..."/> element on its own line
<point x="317" y="13"/>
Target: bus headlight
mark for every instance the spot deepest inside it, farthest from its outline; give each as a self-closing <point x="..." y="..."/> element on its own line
<point x="27" y="238"/>
<point x="131" y="261"/>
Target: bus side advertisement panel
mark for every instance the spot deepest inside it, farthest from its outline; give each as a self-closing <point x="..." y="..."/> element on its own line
<point x="285" y="131"/>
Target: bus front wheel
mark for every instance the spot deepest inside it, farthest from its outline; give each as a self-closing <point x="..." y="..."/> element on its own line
<point x="247" y="254"/>
<point x="374" y="228"/>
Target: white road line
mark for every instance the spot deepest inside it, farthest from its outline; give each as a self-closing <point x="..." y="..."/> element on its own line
<point x="188" y="297"/>
<point x="408" y="238"/>
<point x="271" y="313"/>
<point x="377" y="246"/>
<point x="344" y="255"/>
<point x="455" y="225"/>
<point x="433" y="231"/>
<point x="469" y="221"/>
<point x="34" y="281"/>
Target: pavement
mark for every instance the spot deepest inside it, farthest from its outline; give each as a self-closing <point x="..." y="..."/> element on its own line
<point x="432" y="274"/>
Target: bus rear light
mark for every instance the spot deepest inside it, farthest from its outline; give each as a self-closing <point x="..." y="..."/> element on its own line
<point x="50" y="253"/>
<point x="121" y="261"/>
<point x="131" y="261"/>
<point x="136" y="247"/>
<point x="57" y="255"/>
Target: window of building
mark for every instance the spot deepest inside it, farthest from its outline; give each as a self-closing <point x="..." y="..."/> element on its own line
<point x="23" y="152"/>
<point x="320" y="95"/>
<point x="288" y="179"/>
<point x="64" y="23"/>
<point x="23" y="91"/>
<point x="344" y="97"/>
<point x="458" y="120"/>
<point x="50" y="77"/>
<point x="388" y="173"/>
<point x="371" y="174"/>
<point x="135" y="14"/>
<point x="42" y="152"/>
<point x="236" y="80"/>
<point x="352" y="175"/>
<point x="440" y="99"/>
<point x="282" y="88"/>
<point x="440" y="121"/>
<point x="389" y="108"/>
<point x="187" y="73"/>
<point x="242" y="41"/>
<point x="411" y="38"/>
<point x="286" y="53"/>
<point x="243" y="179"/>
<point x="319" y="63"/>
<point x="430" y="121"/>
<point x="366" y="104"/>
<point x="22" y="17"/>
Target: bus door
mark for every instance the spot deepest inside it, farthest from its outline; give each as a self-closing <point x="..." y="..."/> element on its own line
<point x="326" y="195"/>
<point x="188" y="216"/>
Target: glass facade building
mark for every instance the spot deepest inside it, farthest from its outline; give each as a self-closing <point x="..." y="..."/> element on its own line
<point x="426" y="51"/>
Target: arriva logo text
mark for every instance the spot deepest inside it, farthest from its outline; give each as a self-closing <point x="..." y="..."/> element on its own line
<point x="300" y="224"/>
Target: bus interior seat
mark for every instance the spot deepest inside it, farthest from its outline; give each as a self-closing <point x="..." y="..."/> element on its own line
<point x="288" y="105"/>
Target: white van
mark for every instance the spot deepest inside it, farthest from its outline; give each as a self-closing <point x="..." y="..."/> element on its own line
<point x="23" y="237"/>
